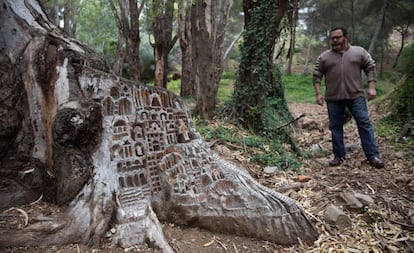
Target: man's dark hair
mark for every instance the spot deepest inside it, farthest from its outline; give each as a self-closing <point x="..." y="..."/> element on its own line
<point x="344" y="31"/>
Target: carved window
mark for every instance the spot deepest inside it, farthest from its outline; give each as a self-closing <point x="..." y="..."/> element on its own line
<point x="108" y="106"/>
<point x="115" y="92"/>
<point x="121" y="182"/>
<point x="125" y="107"/>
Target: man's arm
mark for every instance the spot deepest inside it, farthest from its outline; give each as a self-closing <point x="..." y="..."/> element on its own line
<point x="319" y="97"/>
<point x="371" y="92"/>
<point x="317" y="76"/>
<point x="371" y="72"/>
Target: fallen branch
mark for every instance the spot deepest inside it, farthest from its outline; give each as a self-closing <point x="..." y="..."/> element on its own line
<point x="290" y="122"/>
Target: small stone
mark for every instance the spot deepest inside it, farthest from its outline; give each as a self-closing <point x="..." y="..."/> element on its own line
<point x="349" y="201"/>
<point x="364" y="199"/>
<point x="351" y="147"/>
<point x="337" y="217"/>
<point x="303" y="178"/>
<point x="270" y="169"/>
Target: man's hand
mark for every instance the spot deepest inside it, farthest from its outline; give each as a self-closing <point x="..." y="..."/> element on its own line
<point x="371" y="92"/>
<point x="319" y="99"/>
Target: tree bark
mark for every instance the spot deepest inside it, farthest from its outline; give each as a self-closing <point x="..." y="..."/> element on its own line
<point x="115" y="151"/>
<point x="257" y="87"/>
<point x="308" y="50"/>
<point x="184" y="30"/>
<point x="120" y="56"/>
<point x="164" y="39"/>
<point x="127" y="21"/>
<point x="231" y="46"/>
<point x="209" y="19"/>
<point x="378" y="26"/>
<point x="403" y="30"/>
<point x="293" y="17"/>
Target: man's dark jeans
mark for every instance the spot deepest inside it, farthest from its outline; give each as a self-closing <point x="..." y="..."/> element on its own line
<point x="358" y="109"/>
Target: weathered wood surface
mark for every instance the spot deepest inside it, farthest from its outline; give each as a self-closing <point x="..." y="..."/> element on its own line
<point x="113" y="148"/>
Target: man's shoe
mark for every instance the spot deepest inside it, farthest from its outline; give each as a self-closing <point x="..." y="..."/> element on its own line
<point x="376" y="162"/>
<point x="336" y="161"/>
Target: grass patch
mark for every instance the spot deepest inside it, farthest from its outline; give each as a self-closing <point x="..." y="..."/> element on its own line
<point x="174" y="86"/>
<point x="299" y="88"/>
<point x="225" y="90"/>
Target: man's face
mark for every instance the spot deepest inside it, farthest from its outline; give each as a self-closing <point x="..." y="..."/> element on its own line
<point x="338" y="40"/>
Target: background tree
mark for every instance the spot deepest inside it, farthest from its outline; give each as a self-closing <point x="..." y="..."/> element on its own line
<point x="162" y="14"/>
<point x="293" y="15"/>
<point x="184" y="31"/>
<point x="97" y="29"/>
<point x="378" y="26"/>
<point x="127" y="15"/>
<point x="233" y="35"/>
<point x="208" y="22"/>
<point x="52" y="8"/>
<point x="401" y="14"/>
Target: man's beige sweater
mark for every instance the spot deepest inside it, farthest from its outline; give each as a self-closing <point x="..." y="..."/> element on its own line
<point x="343" y="72"/>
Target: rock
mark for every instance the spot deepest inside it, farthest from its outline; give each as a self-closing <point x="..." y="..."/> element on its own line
<point x="224" y="151"/>
<point x="364" y="199"/>
<point x="351" y="147"/>
<point x="349" y="201"/>
<point x="270" y="169"/>
<point x="336" y="216"/>
<point x="303" y="178"/>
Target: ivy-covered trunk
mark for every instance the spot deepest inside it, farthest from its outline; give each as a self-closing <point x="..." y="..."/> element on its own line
<point x="259" y="101"/>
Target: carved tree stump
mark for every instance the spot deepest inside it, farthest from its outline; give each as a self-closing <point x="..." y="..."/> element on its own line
<point x="119" y="149"/>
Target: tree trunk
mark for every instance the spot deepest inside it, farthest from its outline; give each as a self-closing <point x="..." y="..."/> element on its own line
<point x="292" y="28"/>
<point x="54" y="16"/>
<point x="66" y="17"/>
<point x="258" y="88"/>
<point x="127" y="21"/>
<point x="120" y="56"/>
<point x="403" y="32"/>
<point x="184" y="30"/>
<point x="164" y="41"/>
<point x="114" y="151"/>
<point x="378" y="27"/>
<point x="231" y="46"/>
<point x="308" y="50"/>
<point x="209" y="20"/>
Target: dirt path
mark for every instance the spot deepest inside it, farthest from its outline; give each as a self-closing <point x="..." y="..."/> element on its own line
<point x="387" y="225"/>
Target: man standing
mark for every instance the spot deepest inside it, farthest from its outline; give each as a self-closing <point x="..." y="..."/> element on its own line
<point x="342" y="67"/>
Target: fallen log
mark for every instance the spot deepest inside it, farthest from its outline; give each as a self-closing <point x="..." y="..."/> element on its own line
<point x="120" y="153"/>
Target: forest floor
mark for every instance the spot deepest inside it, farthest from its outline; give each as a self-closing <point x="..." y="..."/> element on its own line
<point x="386" y="225"/>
